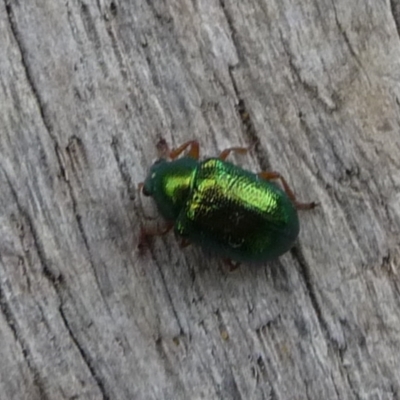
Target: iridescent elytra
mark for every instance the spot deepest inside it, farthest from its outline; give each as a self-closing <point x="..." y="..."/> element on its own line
<point x="240" y="215"/>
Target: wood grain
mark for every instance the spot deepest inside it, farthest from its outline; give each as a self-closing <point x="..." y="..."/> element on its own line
<point x="87" y="88"/>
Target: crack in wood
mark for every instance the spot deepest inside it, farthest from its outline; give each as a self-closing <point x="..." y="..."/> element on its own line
<point x="27" y="69"/>
<point x="126" y="178"/>
<point x="12" y="323"/>
<point x="395" y="9"/>
<point x="85" y="356"/>
<point x="82" y="232"/>
<point x="36" y="95"/>
<point x="57" y="282"/>
<point x="305" y="272"/>
<point x="169" y="297"/>
<point x="248" y="126"/>
<point x="244" y="115"/>
<point x="232" y="30"/>
<point x="348" y="44"/>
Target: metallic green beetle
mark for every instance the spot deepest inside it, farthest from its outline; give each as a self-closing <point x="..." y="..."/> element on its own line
<point x="237" y="214"/>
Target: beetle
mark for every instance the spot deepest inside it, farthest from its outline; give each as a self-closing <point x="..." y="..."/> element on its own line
<point x="240" y="215"/>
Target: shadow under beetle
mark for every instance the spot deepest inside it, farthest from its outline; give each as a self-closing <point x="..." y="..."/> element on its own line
<point x="237" y="214"/>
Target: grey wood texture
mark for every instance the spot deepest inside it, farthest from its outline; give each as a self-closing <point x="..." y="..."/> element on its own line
<point x="87" y="88"/>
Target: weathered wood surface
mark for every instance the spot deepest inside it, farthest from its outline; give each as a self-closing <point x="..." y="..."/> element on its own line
<point x="87" y="89"/>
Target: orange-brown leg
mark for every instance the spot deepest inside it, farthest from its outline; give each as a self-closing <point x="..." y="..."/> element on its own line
<point x="184" y="243"/>
<point x="146" y="233"/>
<point x="272" y="175"/>
<point x="224" y="154"/>
<point x="194" y="150"/>
<point x="232" y="266"/>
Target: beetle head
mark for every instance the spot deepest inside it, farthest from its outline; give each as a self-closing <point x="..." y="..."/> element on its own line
<point x="150" y="184"/>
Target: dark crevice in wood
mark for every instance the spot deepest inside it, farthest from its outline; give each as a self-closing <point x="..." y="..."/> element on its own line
<point x="61" y="162"/>
<point x="113" y="8"/>
<point x="244" y="115"/>
<point x="272" y="394"/>
<point x="27" y="69"/>
<point x="126" y="178"/>
<point x="335" y="386"/>
<point x="5" y="308"/>
<point x="389" y="267"/>
<point x="395" y="8"/>
<point x="169" y="296"/>
<point x="115" y="44"/>
<point x="56" y="280"/>
<point x="267" y="379"/>
<point x="78" y="219"/>
<point x="86" y="243"/>
<point x="248" y="126"/>
<point x="30" y="80"/>
<point x="77" y="153"/>
<point x="305" y="272"/>
<point x="394" y="392"/>
<point x="269" y="375"/>
<point x="12" y="323"/>
<point x="85" y="357"/>
<point x="232" y="29"/>
<point x="348" y="43"/>
<point x="89" y="24"/>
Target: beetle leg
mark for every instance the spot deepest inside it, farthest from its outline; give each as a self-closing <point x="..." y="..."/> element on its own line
<point x="194" y="150"/>
<point x="156" y="231"/>
<point x="232" y="266"/>
<point x="146" y="233"/>
<point x="271" y="175"/>
<point x="184" y="243"/>
<point x="305" y="206"/>
<point x="225" y="153"/>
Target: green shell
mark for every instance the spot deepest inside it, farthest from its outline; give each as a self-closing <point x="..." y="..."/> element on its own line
<point x="224" y="208"/>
